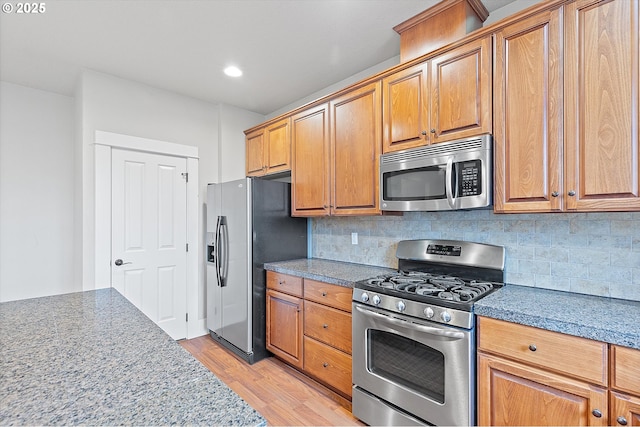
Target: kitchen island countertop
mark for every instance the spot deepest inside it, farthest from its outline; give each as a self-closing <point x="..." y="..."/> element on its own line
<point x="92" y="358"/>
<point x="335" y="272"/>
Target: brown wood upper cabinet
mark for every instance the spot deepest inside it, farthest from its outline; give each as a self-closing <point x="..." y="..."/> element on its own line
<point x="336" y="151"/>
<point x="444" y="98"/>
<point x="566" y="98"/>
<point x="310" y="172"/>
<point x="269" y="149"/>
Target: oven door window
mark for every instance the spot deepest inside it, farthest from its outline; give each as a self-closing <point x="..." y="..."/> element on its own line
<point x="407" y="362"/>
<point x="426" y="183"/>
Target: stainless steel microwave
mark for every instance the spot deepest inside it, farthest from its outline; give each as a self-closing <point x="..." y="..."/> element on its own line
<point x="445" y="176"/>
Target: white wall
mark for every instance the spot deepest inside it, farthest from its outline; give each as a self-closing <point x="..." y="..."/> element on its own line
<point x="362" y="75"/>
<point x="36" y="193"/>
<point x="508" y="10"/>
<point x="121" y="106"/>
<point x="233" y="122"/>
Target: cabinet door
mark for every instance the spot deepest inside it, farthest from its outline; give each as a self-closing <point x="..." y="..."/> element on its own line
<point x="602" y="93"/>
<point x="625" y="410"/>
<point x="405" y="117"/>
<point x="278" y="146"/>
<point x="255" y="153"/>
<point x="461" y="92"/>
<point x="284" y="327"/>
<point x="356" y="123"/>
<point x="310" y="170"/>
<point x="512" y="394"/>
<point x="528" y="115"/>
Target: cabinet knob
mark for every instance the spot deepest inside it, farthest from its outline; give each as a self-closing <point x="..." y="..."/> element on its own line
<point x="325" y="326"/>
<point x="571" y="193"/>
<point x="596" y="413"/>
<point x="324" y="294"/>
<point x="621" y="420"/>
<point x="532" y="347"/>
<point x="325" y="364"/>
<point x="555" y="194"/>
<point x="424" y="132"/>
<point x="433" y="130"/>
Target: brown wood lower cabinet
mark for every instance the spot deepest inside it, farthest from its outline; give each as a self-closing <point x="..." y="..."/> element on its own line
<point x="327" y="364"/>
<point x="514" y="394"/>
<point x="529" y="376"/>
<point x="625" y="409"/>
<point x="309" y="327"/>
<point x="284" y="327"/>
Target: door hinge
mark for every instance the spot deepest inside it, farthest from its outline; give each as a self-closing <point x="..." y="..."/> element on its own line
<point x="185" y="175"/>
<point x="187" y="317"/>
<point x="187" y="247"/>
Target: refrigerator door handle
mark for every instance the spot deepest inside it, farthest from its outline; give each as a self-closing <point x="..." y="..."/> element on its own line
<point x="224" y="244"/>
<point x="217" y="249"/>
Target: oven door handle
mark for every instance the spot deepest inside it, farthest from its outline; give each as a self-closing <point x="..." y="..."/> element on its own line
<point x="426" y="329"/>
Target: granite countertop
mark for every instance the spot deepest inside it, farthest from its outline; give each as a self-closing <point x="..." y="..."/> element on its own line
<point x="92" y="358"/>
<point x="334" y="272"/>
<point x="609" y="320"/>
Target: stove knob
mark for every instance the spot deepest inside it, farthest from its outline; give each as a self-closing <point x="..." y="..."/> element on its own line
<point x="445" y="316"/>
<point x="429" y="312"/>
<point x="375" y="300"/>
<point x="401" y="306"/>
<point x="364" y="297"/>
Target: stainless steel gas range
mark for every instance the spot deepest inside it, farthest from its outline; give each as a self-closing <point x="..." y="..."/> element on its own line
<point x="414" y="333"/>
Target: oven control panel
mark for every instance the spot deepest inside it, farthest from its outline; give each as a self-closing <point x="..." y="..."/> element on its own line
<point x="417" y="309"/>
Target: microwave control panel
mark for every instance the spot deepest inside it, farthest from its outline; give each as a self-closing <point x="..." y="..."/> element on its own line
<point x="469" y="178"/>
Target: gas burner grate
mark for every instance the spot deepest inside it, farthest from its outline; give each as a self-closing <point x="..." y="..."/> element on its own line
<point x="444" y="287"/>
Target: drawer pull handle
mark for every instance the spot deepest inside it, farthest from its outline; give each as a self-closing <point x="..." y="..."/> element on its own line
<point x="325" y="326"/>
<point x="281" y="282"/>
<point x="325" y="364"/>
<point x="621" y="420"/>
<point x="324" y="294"/>
<point x="532" y="347"/>
<point x="596" y="413"/>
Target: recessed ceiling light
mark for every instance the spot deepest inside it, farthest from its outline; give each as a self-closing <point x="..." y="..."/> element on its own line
<point x="233" y="71"/>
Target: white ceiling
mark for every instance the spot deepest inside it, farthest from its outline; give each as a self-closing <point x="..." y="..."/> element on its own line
<point x="288" y="49"/>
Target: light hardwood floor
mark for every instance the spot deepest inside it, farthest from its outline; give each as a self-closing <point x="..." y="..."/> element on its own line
<point x="280" y="393"/>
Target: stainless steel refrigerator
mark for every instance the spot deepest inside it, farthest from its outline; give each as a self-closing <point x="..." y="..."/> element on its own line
<point x="248" y="223"/>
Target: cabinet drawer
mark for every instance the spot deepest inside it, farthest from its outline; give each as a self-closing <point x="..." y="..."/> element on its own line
<point x="325" y="293"/>
<point x="284" y="283"/>
<point x="328" y="325"/>
<point x="625" y="370"/>
<point x="575" y="356"/>
<point x="328" y="365"/>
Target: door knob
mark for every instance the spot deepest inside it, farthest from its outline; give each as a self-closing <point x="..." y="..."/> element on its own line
<point x="119" y="262"/>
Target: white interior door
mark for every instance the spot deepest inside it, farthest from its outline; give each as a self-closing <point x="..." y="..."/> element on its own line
<point x="148" y="235"/>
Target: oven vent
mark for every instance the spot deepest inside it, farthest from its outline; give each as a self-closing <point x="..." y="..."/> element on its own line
<point x="446" y="148"/>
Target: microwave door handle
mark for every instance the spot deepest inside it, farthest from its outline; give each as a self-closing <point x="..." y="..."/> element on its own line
<point x="410" y="325"/>
<point x="448" y="185"/>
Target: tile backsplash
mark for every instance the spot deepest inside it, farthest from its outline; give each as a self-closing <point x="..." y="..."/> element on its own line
<point x="588" y="253"/>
